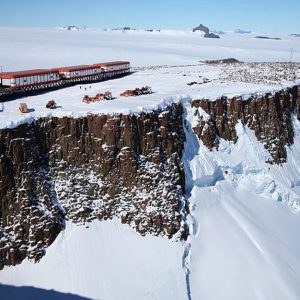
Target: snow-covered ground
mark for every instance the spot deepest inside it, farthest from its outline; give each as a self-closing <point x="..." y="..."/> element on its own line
<point x="245" y="213"/>
<point x="106" y="261"/>
<point x="169" y="84"/>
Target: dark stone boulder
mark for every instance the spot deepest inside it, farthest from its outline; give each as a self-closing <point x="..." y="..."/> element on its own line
<point x="211" y="35"/>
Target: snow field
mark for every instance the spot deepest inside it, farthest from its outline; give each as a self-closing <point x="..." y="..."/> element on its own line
<point x="29" y="48"/>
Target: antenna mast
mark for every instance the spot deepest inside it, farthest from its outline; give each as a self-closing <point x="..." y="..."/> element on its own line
<point x="291" y="56"/>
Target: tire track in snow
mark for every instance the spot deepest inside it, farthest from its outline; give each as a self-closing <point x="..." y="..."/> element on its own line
<point x="185" y="265"/>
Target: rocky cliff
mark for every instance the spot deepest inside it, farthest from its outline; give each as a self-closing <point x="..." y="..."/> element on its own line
<point x="94" y="167"/>
<point x="269" y="116"/>
<point x="123" y="166"/>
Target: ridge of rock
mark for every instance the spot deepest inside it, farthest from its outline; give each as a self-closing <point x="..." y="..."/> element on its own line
<point x="269" y="116"/>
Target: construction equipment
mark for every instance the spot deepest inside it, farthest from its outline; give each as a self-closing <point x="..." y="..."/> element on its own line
<point x="145" y="90"/>
<point x="127" y="93"/>
<point x="51" y="104"/>
<point x="99" y="97"/>
<point x="108" y="96"/>
<point x="23" y="108"/>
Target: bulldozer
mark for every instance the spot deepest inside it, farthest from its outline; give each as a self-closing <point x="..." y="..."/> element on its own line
<point x="51" y="104"/>
<point x="108" y="96"/>
<point x="99" y="97"/>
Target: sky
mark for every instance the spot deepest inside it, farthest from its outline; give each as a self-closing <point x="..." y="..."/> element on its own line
<point x="256" y="15"/>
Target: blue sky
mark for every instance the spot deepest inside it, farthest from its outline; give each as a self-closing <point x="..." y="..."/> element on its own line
<point x="258" y="15"/>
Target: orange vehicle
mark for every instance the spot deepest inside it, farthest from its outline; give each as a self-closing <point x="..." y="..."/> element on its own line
<point x="51" y="104"/>
<point x="99" y="97"/>
<point x="145" y="90"/>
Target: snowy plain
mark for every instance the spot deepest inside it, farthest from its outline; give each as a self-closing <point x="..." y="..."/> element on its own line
<point x="29" y="48"/>
<point x="168" y="84"/>
<point x="244" y="218"/>
<point x="107" y="260"/>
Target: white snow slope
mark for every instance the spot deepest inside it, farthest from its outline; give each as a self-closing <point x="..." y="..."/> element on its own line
<point x="245" y="223"/>
<point x="106" y="261"/>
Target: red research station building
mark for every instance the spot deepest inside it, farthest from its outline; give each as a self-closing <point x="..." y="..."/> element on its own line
<point x="115" y="66"/>
<point x="28" y="78"/>
<point x="77" y="71"/>
<point x="44" y="78"/>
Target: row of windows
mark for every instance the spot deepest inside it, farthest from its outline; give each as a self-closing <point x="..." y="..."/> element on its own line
<point x="83" y="72"/>
<point x="35" y="79"/>
<point x="93" y="71"/>
<point x="118" y="67"/>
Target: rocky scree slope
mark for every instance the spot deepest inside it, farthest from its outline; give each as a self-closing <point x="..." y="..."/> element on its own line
<point x="94" y="167"/>
<point x="270" y="116"/>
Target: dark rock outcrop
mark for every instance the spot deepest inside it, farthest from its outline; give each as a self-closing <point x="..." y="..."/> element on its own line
<point x="207" y="33"/>
<point x="95" y="167"/>
<point x="230" y="60"/>
<point x="71" y="27"/>
<point x="267" y="38"/>
<point x="242" y="31"/>
<point x="211" y="35"/>
<point x="201" y="28"/>
<point x="270" y="116"/>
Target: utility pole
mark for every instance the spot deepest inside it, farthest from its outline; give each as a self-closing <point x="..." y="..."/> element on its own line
<point x="291" y="56"/>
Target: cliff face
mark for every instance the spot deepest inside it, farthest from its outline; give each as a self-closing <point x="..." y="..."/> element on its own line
<point x="98" y="166"/>
<point x="269" y="116"/>
<point x="124" y="166"/>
